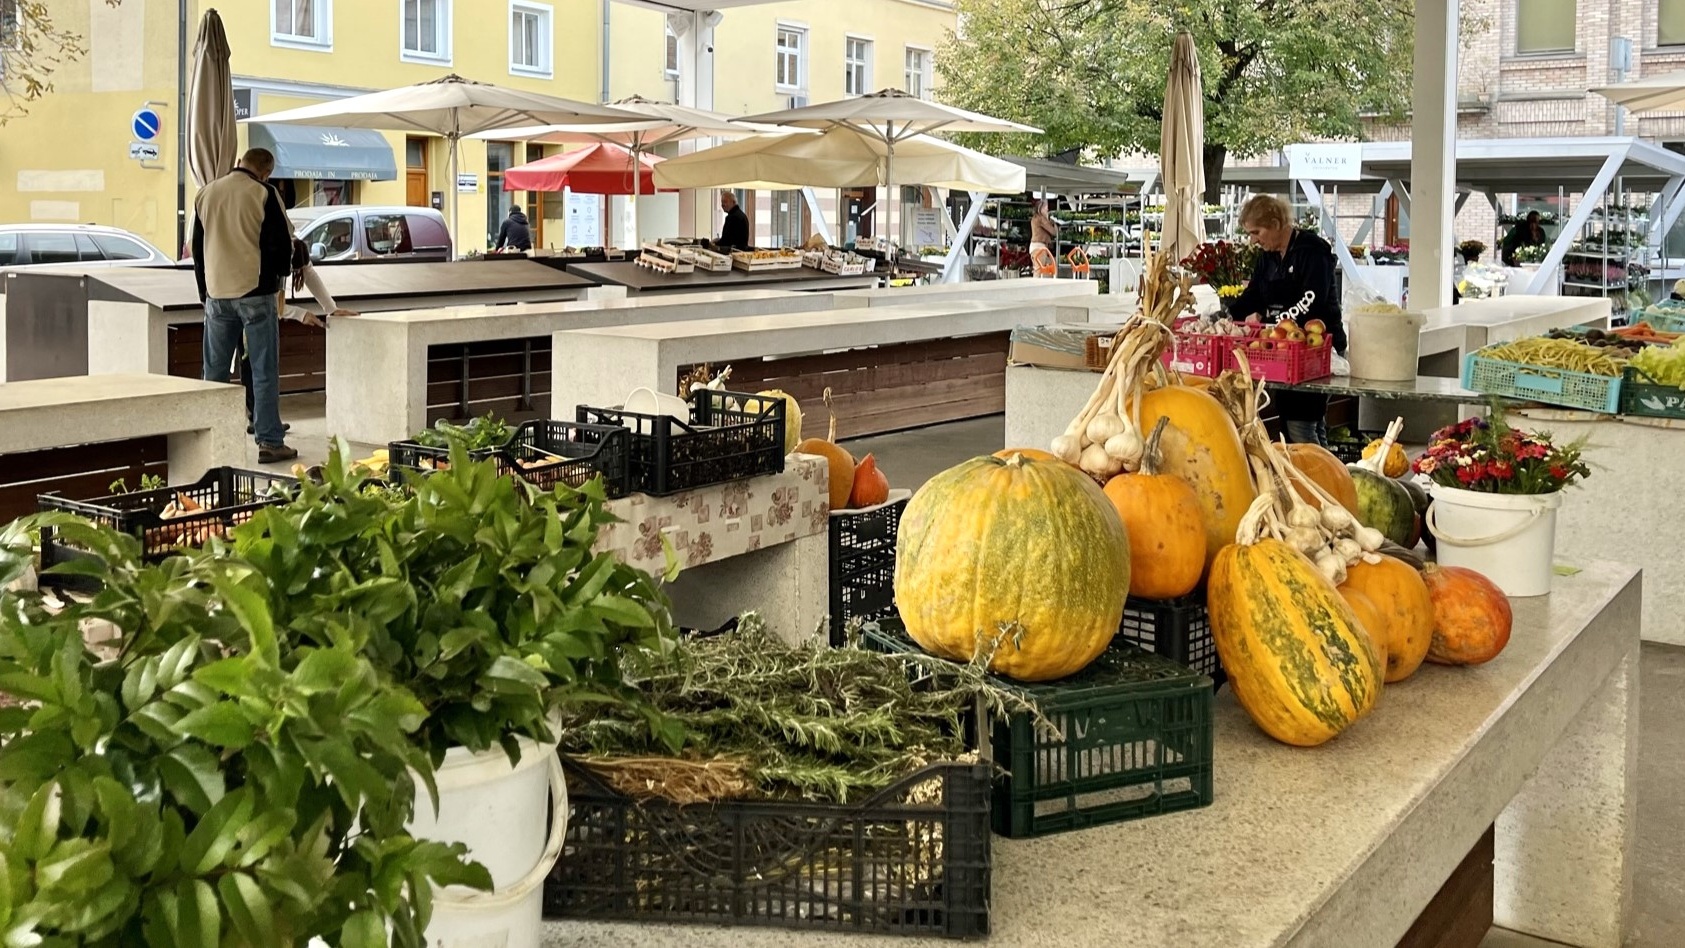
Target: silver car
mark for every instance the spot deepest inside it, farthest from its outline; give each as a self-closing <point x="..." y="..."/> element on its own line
<point x="75" y="245"/>
<point x="343" y="232"/>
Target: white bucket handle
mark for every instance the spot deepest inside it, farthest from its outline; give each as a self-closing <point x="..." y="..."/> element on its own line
<point x="503" y="898"/>
<point x="1432" y="524"/>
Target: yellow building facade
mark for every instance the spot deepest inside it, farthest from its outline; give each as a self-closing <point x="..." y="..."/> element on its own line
<point x="76" y="158"/>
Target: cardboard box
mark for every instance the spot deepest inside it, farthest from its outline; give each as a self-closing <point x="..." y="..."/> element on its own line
<point x="1055" y="347"/>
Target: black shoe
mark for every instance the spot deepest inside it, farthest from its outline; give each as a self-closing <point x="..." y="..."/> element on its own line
<point x="284" y="427"/>
<point x="275" y="453"/>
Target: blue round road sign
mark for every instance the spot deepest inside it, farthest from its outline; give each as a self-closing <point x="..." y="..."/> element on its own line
<point x="146" y="125"/>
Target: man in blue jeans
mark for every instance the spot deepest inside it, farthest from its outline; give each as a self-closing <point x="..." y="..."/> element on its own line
<point x="242" y="252"/>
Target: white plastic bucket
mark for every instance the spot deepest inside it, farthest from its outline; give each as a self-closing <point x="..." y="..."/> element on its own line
<point x="1383" y="347"/>
<point x="1508" y="538"/>
<point x="499" y="811"/>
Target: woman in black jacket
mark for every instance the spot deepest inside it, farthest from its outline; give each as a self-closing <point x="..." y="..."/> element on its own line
<point x="1293" y="262"/>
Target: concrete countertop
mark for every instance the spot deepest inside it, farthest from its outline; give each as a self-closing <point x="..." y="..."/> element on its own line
<point x="640" y="279"/>
<point x="1335" y="846"/>
<point x="960" y="312"/>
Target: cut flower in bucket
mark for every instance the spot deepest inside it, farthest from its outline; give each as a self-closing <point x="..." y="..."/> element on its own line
<point x="1486" y="455"/>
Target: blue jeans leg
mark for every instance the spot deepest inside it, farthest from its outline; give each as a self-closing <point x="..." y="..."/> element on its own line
<point x="222" y="339"/>
<point x="256" y="319"/>
<point x="1306" y="431"/>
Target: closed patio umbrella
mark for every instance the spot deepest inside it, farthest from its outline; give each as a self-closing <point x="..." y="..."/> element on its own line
<point x="599" y="169"/>
<point x="839" y="158"/>
<point x="1650" y="94"/>
<point x="212" y="148"/>
<point x="1182" y="152"/>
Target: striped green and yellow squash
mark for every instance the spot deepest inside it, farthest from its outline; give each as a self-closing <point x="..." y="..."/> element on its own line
<point x="1032" y="546"/>
<point x="1296" y="657"/>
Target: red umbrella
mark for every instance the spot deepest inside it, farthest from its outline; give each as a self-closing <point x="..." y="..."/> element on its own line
<point x="598" y="169"/>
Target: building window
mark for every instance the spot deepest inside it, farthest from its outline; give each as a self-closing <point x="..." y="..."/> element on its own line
<point x="918" y="72"/>
<point x="671" y="69"/>
<point x="426" y="30"/>
<point x="1670" y="23"/>
<point x="303" y="23"/>
<point x="788" y="219"/>
<point x="529" y="38"/>
<point x="788" y="51"/>
<point x="1545" y="26"/>
<point x="857" y="65"/>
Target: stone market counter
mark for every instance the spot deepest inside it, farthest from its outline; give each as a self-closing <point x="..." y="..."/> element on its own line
<point x="640" y="280"/>
<point x="1343" y="846"/>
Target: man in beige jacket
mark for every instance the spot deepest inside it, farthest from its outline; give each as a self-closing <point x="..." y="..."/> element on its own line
<point x="242" y="251"/>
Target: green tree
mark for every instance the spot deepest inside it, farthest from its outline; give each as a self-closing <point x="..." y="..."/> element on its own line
<point x="1092" y="72"/>
<point x="32" y="48"/>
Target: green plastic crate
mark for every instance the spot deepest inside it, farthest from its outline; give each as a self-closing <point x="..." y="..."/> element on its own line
<point x="1538" y="384"/>
<point x="1644" y="396"/>
<point x="1134" y="739"/>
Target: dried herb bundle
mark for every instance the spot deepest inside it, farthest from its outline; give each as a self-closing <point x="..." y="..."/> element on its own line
<point x="813" y="722"/>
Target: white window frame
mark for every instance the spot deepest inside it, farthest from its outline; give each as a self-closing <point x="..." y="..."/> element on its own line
<point x="867" y="65"/>
<point x="546" y="15"/>
<point x="669" y="42"/>
<point x="927" y="70"/>
<point x="800" y="31"/>
<point x="322" y="42"/>
<point x="442" y="34"/>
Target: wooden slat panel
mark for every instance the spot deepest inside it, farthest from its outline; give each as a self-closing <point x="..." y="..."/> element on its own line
<point x="503" y="386"/>
<point x="1460" y="915"/>
<point x="303" y="356"/>
<point x="80" y="471"/>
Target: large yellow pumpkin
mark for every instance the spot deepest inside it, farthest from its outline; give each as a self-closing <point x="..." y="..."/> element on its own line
<point x="1202" y="447"/>
<point x="1033" y="546"/>
<point x="1296" y="655"/>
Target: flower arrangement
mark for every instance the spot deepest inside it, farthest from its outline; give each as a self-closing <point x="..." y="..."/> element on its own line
<point x="1486" y="455"/>
<point x="1230" y="291"/>
<point x="1223" y="263"/>
<point x="1392" y="253"/>
<point x="1471" y="250"/>
<point x="1546" y="219"/>
<point x="1532" y="253"/>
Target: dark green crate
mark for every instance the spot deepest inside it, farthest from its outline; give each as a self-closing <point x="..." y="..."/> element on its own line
<point x="1644" y="396"/>
<point x="1134" y="739"/>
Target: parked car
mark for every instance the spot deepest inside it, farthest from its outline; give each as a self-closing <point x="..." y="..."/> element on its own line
<point x="344" y="232"/>
<point x="75" y="245"/>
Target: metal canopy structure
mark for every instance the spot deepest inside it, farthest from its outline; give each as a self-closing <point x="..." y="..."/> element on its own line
<point x="1041" y="174"/>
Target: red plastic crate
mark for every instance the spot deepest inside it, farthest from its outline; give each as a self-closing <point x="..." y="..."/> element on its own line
<point x="1288" y="362"/>
<point x="1201" y="354"/>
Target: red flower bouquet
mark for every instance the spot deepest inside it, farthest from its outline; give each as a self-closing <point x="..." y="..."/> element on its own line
<point x="1490" y="457"/>
<point x="1222" y="263"/>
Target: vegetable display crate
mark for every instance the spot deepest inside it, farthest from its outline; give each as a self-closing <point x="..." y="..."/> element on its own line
<point x="1132" y="737"/>
<point x="1287" y="363"/>
<point x="1666" y="316"/>
<point x="543" y="452"/>
<point x="1202" y="354"/>
<point x="723" y="441"/>
<point x="1539" y="384"/>
<point x="912" y="859"/>
<point x="1178" y="629"/>
<point x="225" y="498"/>
<point x="1644" y="396"/>
<point x="1351" y="452"/>
<point x="863" y="562"/>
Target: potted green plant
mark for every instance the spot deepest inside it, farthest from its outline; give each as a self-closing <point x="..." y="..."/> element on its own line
<point x="197" y="783"/>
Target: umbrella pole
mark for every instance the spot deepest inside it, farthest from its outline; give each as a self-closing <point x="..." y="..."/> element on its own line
<point x="456" y="203"/>
<point x="637" y="189"/>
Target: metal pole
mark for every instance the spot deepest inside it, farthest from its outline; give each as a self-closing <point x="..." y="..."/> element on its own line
<point x="181" y="126"/>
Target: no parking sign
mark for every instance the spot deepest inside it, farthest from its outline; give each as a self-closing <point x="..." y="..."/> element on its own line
<point x="145" y="125"/>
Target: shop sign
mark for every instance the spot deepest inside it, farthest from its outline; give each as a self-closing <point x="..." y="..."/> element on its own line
<point x="467" y="183"/>
<point x="242" y="104"/>
<point x="927" y="227"/>
<point x="1334" y="161"/>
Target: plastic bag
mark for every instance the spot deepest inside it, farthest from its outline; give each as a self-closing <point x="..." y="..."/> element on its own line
<point x="1357" y="297"/>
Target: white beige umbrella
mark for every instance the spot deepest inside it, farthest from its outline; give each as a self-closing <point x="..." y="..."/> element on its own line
<point x="893" y="117"/>
<point x="663" y="122"/>
<point x="453" y="107"/>
<point x="212" y="148"/>
<point x="1650" y="94"/>
<point x="839" y="158"/>
<point x="1182" y="152"/>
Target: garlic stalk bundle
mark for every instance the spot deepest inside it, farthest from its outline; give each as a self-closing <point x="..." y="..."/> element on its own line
<point x="1105" y="427"/>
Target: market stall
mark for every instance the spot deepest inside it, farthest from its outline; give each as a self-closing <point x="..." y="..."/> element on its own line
<point x="643" y="281"/>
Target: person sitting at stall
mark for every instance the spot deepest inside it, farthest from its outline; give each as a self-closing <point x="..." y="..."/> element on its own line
<point x="1528" y="233"/>
<point x="1293" y="263"/>
<point x="515" y="234"/>
<point x="734" y="234"/>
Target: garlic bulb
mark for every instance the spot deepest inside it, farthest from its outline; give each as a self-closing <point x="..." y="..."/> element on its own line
<point x="1096" y="462"/>
<point x="1105" y="426"/>
<point x="1372" y="558"/>
<point x="1306" y="540"/>
<point x="1348" y="549"/>
<point x="1337" y="519"/>
<point x="1128" y="447"/>
<point x="1304" y="515"/>
<point x="1066" y="448"/>
<point x="1332" y="567"/>
<point x="1369" y="538"/>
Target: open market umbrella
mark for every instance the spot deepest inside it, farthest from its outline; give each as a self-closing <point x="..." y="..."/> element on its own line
<point x="1650" y="94"/>
<point x="212" y="148"/>
<point x="1182" y="152"/>
<point x="839" y="158"/>
<point x="892" y="117"/>
<point x="453" y="107"/>
<point x="599" y="169"/>
<point x="662" y="122"/>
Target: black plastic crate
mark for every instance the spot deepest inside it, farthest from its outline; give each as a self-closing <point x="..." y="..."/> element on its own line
<point x="1178" y="629"/>
<point x="913" y="859"/>
<point x="228" y="495"/>
<point x="723" y="441"/>
<point x="1351" y="451"/>
<point x="863" y="563"/>
<point x="1132" y="737"/>
<point x="558" y="452"/>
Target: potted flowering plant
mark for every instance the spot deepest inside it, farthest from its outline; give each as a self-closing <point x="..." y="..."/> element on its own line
<point x="1471" y="250"/>
<point x="1496" y="490"/>
<point x="1391" y="254"/>
<point x="1222" y="263"/>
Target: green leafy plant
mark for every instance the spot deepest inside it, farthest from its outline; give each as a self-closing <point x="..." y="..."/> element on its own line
<point x="147" y="482"/>
<point x="196" y="783"/>
<point x="487" y="431"/>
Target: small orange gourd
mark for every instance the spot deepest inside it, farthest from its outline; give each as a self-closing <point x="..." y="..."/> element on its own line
<point x="1405" y="609"/>
<point x="1166" y="526"/>
<point x="1471" y="616"/>
<point x="871" y="487"/>
<point x="840" y="463"/>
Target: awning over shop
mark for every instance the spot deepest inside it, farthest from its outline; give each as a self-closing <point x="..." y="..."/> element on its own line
<point x="326" y="153"/>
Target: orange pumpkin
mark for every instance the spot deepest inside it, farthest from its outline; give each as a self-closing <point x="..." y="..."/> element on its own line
<point x="1405" y="612"/>
<point x="840" y="463"/>
<point x="1201" y="447"/>
<point x="1367" y="616"/>
<point x="1166" y="528"/>
<point x="870" y="486"/>
<point x="1471" y="616"/>
<point x="1032" y="454"/>
<point x="1327" y="471"/>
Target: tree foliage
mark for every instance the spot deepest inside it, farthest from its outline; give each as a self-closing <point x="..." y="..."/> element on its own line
<point x="1092" y="72"/>
<point x="32" y="48"/>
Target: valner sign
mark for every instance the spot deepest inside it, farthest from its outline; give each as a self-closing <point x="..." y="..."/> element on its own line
<point x="1334" y="161"/>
